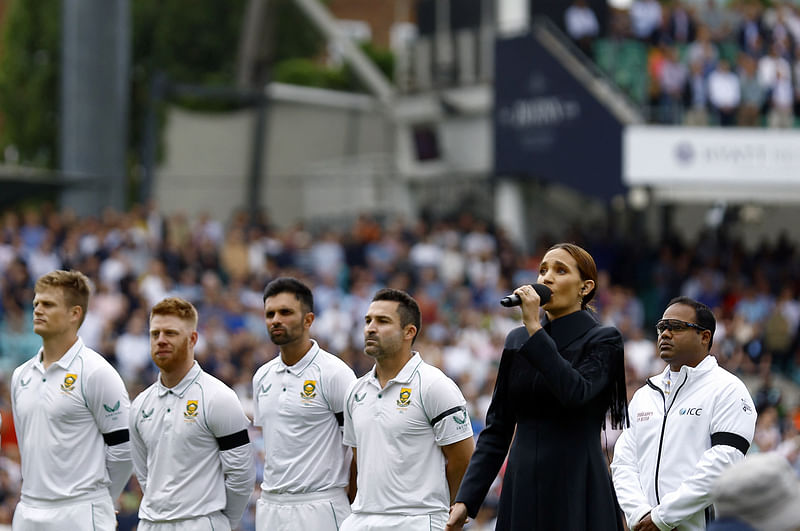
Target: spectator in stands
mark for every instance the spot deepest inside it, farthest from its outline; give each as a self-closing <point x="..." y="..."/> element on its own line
<point x="751" y="32"/>
<point x="724" y="93"/>
<point x="674" y="75"/>
<point x="696" y="97"/>
<point x="645" y="19"/>
<point x="781" y="101"/>
<point x="753" y="93"/>
<point x="714" y="20"/>
<point x="679" y="26"/>
<point x="582" y="26"/>
<point x="768" y="67"/>
<point x="703" y="50"/>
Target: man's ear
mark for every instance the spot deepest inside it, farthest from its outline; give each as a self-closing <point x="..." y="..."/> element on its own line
<point x="706" y="336"/>
<point x="308" y="319"/>
<point x="76" y="313"/>
<point x="410" y="331"/>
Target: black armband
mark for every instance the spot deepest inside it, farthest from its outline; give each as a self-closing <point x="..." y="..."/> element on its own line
<point x="234" y="440"/>
<point x="730" y="439"/>
<point x="116" y="437"/>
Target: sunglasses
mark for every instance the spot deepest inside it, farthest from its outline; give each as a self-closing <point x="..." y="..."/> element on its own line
<point x="676" y="325"/>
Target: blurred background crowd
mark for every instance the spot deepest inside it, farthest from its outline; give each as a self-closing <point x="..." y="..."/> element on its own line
<point x="707" y="62"/>
<point x="457" y="268"/>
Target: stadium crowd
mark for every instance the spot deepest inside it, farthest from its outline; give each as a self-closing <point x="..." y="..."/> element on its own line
<point x="457" y="268"/>
<point x="708" y="62"/>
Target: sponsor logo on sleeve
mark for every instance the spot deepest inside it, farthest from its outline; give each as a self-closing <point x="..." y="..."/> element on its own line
<point x="747" y="408"/>
<point x="644" y="416"/>
<point x="460" y="417"/>
<point x="69" y="382"/>
<point x="111" y="410"/>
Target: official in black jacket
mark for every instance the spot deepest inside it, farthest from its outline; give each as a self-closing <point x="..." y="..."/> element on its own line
<point x="556" y="381"/>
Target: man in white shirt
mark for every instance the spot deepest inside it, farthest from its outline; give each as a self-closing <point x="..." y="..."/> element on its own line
<point x="298" y="398"/>
<point x="724" y="92"/>
<point x="408" y="425"/>
<point x="71" y="416"/>
<point x="688" y="425"/>
<point x="191" y="451"/>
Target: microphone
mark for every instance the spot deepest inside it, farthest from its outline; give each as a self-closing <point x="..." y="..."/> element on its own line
<point x="514" y="300"/>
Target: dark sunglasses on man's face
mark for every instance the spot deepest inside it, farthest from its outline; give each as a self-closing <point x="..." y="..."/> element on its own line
<point x="676" y="325"/>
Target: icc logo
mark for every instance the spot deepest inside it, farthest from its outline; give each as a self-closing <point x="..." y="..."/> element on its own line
<point x="695" y="411"/>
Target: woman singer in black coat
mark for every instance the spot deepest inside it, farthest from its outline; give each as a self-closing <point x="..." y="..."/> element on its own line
<point x="556" y="381"/>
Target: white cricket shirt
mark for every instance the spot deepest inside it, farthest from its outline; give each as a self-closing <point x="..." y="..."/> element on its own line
<point x="60" y="415"/>
<point x="398" y="431"/>
<point x="178" y="436"/>
<point x="299" y="409"/>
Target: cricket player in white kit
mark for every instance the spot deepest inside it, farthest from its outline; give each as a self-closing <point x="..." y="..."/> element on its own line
<point x="298" y="398"/>
<point x="191" y="452"/>
<point x="70" y="412"/>
<point x="408" y="425"/>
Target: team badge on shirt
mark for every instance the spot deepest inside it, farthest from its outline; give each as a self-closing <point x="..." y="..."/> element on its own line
<point x="69" y="382"/>
<point x="309" y="390"/>
<point x="191" y="409"/>
<point x="405" y="397"/>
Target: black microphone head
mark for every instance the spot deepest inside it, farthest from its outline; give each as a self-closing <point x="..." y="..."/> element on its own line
<point x="544" y="293"/>
<point x="544" y="296"/>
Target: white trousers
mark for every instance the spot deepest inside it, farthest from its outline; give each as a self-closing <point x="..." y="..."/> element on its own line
<point x="95" y="515"/>
<point x="211" y="522"/>
<point x="393" y="522"/>
<point x="317" y="511"/>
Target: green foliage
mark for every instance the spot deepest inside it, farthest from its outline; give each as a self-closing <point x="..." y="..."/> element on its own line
<point x="295" y="36"/>
<point x="189" y="42"/>
<point x="29" y="80"/>
<point x="309" y="73"/>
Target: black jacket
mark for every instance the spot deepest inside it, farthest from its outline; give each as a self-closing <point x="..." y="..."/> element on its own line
<point x="554" y="389"/>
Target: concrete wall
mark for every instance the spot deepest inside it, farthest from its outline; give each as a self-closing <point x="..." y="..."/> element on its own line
<point x="316" y="147"/>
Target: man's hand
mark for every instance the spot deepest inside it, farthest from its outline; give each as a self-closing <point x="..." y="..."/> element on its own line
<point x="458" y="517"/>
<point x="645" y="524"/>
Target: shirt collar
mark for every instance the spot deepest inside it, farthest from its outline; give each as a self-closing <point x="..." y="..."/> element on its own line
<point x="66" y="360"/>
<point x="183" y="385"/>
<point x="708" y="363"/>
<point x="405" y="374"/>
<point x="301" y="365"/>
<point x="568" y="328"/>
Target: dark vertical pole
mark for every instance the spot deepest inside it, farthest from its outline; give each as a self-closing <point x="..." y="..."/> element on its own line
<point x="150" y="131"/>
<point x="257" y="157"/>
<point x="95" y="75"/>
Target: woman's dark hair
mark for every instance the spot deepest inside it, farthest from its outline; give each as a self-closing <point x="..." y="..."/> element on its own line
<point x="618" y="401"/>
